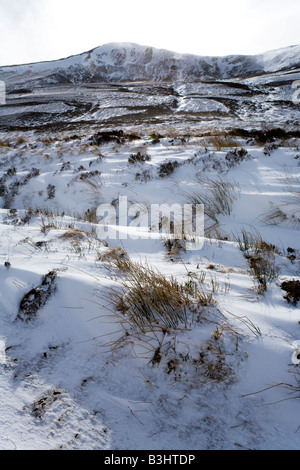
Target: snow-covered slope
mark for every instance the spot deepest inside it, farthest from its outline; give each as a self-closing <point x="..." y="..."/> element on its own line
<point x="281" y="59"/>
<point x="117" y="62"/>
<point x="77" y="375"/>
<point x="138" y="85"/>
<point x="213" y="363"/>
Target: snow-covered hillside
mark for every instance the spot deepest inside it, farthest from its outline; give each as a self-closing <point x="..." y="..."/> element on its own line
<point x="75" y="374"/>
<point x="150" y="342"/>
<point x="119" y="62"/>
<point x="140" y="86"/>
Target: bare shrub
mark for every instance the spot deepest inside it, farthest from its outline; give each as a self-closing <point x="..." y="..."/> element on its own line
<point x="90" y="215"/>
<point x="51" y="191"/>
<point x="138" y="158"/>
<point x="167" y="169"/>
<point x="117" y="136"/>
<point x="92" y="179"/>
<point x="144" y="176"/>
<point x="235" y="157"/>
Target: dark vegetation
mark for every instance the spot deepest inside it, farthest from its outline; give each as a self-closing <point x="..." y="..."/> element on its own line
<point x="37" y="297"/>
<point x="236" y="156"/>
<point x="167" y="168"/>
<point x="117" y="136"/>
<point x="292" y="289"/>
<point x="265" y="136"/>
<point x="138" y="158"/>
<point x="8" y="192"/>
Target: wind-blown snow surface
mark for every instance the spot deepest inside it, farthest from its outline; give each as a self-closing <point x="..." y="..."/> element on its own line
<point x="66" y="382"/>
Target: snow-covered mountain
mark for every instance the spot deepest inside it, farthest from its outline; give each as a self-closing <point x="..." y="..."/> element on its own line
<point x="117" y="62"/>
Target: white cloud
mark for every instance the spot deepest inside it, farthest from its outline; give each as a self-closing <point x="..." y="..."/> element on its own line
<point x="34" y="30"/>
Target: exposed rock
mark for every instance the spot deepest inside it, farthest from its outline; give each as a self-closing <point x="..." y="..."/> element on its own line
<point x="37" y="297"/>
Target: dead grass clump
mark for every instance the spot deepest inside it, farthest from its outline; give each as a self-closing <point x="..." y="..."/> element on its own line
<point x="48" y="223"/>
<point x="215" y="232"/>
<point x="90" y="216"/>
<point x="159" y="304"/>
<point x="217" y="196"/>
<point x="150" y="301"/>
<point x="155" y="138"/>
<point x="263" y="270"/>
<point x="260" y="256"/>
<point x="157" y="313"/>
<point x="288" y="212"/>
<point x="4" y="144"/>
<point x="74" y="235"/>
<point x="116" y="258"/>
<point x="248" y="239"/>
<point x="278" y="216"/>
<point x="174" y="247"/>
<point x="220" y="142"/>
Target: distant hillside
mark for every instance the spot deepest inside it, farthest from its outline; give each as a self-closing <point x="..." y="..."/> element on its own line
<point x="121" y="62"/>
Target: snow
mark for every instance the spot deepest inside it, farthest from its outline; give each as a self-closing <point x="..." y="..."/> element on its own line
<point x="49" y="108"/>
<point x="130" y="61"/>
<point x="281" y="58"/>
<point x="65" y="382"/>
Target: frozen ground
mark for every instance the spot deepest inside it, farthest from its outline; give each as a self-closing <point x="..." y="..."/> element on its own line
<point x="75" y="375"/>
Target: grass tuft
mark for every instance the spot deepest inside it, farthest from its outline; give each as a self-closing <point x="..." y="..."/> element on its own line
<point x="217" y="196"/>
<point x="150" y="301"/>
<point x="260" y="257"/>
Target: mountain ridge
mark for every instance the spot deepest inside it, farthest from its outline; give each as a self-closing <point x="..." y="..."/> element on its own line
<point x="117" y="62"/>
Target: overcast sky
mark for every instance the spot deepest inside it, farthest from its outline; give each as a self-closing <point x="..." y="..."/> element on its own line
<point x="35" y="30"/>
